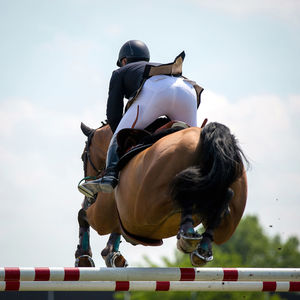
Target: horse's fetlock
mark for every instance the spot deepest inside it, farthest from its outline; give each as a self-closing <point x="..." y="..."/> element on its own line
<point x="81" y="251"/>
<point x="208" y="235"/>
<point x="108" y="249"/>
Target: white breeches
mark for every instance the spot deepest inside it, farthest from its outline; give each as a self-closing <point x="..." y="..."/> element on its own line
<point x="162" y="95"/>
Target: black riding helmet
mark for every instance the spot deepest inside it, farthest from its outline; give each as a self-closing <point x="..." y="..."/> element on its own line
<point x="133" y="50"/>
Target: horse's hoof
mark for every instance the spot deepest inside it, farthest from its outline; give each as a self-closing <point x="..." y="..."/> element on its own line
<point x="84" y="261"/>
<point x="188" y="242"/>
<point x="200" y="257"/>
<point x="115" y="260"/>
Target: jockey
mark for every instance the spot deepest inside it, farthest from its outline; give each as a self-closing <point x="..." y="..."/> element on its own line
<point x="153" y="90"/>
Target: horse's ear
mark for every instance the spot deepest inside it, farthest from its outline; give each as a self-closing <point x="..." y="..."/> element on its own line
<point x="85" y="129"/>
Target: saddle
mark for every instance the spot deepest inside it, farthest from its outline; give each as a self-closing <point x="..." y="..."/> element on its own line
<point x="133" y="141"/>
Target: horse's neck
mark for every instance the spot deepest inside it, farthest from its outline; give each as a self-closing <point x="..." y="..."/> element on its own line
<point x="100" y="145"/>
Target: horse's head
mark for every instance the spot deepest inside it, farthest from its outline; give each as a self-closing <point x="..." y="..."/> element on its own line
<point x="94" y="153"/>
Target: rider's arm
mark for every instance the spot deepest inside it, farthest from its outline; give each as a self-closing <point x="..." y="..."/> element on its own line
<point x="115" y="102"/>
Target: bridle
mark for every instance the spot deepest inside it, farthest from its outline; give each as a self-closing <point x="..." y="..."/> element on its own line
<point x="86" y="157"/>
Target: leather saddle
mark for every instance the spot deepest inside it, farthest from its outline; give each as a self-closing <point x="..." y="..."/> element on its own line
<point x="133" y="141"/>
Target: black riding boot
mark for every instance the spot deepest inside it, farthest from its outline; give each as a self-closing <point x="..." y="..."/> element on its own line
<point x="109" y="181"/>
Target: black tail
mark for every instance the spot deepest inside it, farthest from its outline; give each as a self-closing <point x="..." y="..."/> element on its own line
<point x="204" y="188"/>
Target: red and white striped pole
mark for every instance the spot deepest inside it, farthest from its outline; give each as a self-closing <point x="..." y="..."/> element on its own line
<point x="150" y="279"/>
<point x="149" y="274"/>
<point x="258" y="286"/>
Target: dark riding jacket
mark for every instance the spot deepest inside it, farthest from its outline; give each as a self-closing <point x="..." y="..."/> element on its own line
<point x="128" y="81"/>
<point x="124" y="82"/>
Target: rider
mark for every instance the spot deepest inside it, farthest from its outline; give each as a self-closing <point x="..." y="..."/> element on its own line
<point x="153" y="90"/>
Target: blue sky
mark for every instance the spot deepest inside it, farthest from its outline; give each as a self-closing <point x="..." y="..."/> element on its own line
<point x="56" y="58"/>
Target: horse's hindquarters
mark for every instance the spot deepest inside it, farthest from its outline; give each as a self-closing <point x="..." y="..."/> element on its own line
<point x="236" y="210"/>
<point x="143" y="196"/>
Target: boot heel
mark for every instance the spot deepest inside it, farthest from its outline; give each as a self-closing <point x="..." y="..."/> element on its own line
<point x="108" y="183"/>
<point x="106" y="188"/>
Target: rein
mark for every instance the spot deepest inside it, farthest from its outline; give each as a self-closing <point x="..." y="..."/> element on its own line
<point x="88" y="156"/>
<point x="85" y="157"/>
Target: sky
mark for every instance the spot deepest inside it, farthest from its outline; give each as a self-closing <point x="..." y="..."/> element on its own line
<point x="56" y="59"/>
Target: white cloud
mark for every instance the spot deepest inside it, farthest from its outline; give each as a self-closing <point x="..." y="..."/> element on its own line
<point x="40" y="166"/>
<point x="294" y="104"/>
<point x="257" y="121"/>
<point x="289" y="10"/>
<point x="15" y="113"/>
<point x="12" y="113"/>
<point x="268" y="130"/>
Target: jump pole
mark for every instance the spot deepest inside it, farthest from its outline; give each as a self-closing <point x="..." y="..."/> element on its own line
<point x="150" y="279"/>
<point x="149" y="274"/>
<point x="225" y="286"/>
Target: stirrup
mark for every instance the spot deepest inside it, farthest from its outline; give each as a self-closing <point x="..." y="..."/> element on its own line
<point x="108" y="183"/>
<point x="85" y="191"/>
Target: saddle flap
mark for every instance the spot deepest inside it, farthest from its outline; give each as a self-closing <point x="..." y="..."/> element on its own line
<point x="128" y="138"/>
<point x="133" y="141"/>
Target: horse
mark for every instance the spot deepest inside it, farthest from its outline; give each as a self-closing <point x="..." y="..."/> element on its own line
<point x="189" y="177"/>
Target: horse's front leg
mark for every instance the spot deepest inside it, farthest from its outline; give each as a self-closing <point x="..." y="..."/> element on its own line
<point x="111" y="254"/>
<point x="188" y="238"/>
<point x="83" y="254"/>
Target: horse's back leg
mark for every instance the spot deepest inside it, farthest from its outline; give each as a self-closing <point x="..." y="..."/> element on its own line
<point x="203" y="254"/>
<point x="187" y="237"/>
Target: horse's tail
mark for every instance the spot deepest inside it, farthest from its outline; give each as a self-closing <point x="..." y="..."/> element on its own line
<point x="204" y="188"/>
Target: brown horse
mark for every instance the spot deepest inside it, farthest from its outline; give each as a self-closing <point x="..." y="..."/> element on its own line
<point x="192" y="176"/>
